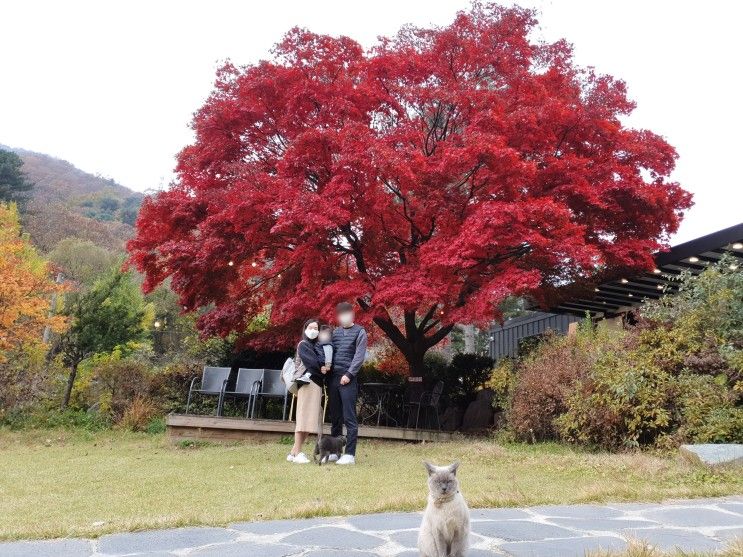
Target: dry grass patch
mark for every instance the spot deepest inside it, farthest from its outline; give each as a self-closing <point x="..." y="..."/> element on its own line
<point x="63" y="483"/>
<point x="734" y="549"/>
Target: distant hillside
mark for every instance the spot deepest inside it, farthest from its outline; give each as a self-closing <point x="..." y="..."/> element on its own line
<point x="68" y="202"/>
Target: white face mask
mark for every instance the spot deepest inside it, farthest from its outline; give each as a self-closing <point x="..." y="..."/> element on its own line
<point x="311" y="333"/>
<point x="346" y="319"/>
<point x="324" y="338"/>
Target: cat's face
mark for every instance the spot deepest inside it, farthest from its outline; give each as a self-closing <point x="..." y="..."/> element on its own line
<point x="442" y="480"/>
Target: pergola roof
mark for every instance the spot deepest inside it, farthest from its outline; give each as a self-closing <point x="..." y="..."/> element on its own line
<point x="615" y="297"/>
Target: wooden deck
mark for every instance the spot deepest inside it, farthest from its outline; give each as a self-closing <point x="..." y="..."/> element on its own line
<point x="213" y="428"/>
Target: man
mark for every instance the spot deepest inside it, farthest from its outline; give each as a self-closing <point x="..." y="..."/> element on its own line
<point x="349" y="351"/>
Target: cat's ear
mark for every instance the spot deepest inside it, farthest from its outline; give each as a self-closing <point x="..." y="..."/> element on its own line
<point x="430" y="467"/>
<point x="453" y="467"/>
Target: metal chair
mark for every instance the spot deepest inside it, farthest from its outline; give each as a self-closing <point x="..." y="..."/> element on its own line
<point x="213" y="383"/>
<point x="429" y="400"/>
<point x="270" y="386"/>
<point x="247" y="383"/>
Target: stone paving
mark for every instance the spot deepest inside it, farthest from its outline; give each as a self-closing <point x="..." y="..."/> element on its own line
<point x="549" y="531"/>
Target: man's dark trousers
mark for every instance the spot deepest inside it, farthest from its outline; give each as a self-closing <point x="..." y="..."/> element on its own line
<point x="343" y="410"/>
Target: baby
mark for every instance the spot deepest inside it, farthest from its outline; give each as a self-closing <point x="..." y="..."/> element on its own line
<point x="324" y="350"/>
<point x="324" y="346"/>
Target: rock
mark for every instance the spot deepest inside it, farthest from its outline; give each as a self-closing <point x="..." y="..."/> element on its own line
<point x="724" y="454"/>
<point x="451" y="419"/>
<point x="479" y="414"/>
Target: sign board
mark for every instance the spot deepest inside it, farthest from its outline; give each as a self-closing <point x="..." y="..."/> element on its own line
<point x="415" y="379"/>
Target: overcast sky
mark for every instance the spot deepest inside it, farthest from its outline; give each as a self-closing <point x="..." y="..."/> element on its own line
<point x="111" y="86"/>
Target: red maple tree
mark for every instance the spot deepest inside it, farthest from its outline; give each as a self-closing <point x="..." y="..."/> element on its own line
<point x="428" y="178"/>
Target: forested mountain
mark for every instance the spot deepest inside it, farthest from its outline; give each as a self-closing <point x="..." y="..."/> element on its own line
<point x="67" y="202"/>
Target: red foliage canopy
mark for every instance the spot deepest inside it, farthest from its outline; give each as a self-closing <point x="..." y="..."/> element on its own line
<point x="428" y="178"/>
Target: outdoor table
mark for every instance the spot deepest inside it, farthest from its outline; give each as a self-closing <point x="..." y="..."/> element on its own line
<point x="376" y="396"/>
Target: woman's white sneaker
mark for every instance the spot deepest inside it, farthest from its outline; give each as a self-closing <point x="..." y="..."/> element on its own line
<point x="290" y="457"/>
<point x="347" y="459"/>
<point x="301" y="458"/>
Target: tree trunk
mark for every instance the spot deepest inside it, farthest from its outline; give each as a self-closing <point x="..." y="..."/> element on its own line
<point x="52" y="310"/>
<point x="416" y="369"/>
<point x="469" y="339"/>
<point x="70" y="383"/>
<point x="413" y="339"/>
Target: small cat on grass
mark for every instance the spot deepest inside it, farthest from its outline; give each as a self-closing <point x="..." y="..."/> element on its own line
<point x="328" y="445"/>
<point x="445" y="529"/>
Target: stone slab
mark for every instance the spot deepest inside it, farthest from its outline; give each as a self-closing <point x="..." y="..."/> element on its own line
<point x="602" y="524"/>
<point x="387" y="521"/>
<point x="732" y="507"/>
<point x="163" y="540"/>
<point x="577" y="511"/>
<point x="58" y="548"/>
<point x="470" y="553"/>
<point x="498" y="514"/>
<point x="692" y="517"/>
<point x="572" y="547"/>
<point x="273" y="527"/>
<point x="702" y="525"/>
<point x="729" y="534"/>
<point x="338" y="553"/>
<point x="331" y="537"/>
<point x="633" y="507"/>
<point x="723" y="454"/>
<point x="242" y="549"/>
<point x="669" y="539"/>
<point x="520" y="530"/>
<point x="408" y="538"/>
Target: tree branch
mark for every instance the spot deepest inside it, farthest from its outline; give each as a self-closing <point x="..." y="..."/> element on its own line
<point x="438" y="336"/>
<point x="427" y="317"/>
<point x="393" y="333"/>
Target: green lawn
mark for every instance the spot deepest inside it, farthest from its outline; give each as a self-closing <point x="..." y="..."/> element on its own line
<point x="73" y="483"/>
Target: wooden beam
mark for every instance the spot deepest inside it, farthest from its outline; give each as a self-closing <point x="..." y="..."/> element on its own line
<point x="181" y="426"/>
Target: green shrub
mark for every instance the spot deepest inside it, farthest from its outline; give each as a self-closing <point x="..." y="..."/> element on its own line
<point x="138" y="414"/>
<point x="49" y="418"/>
<point x="706" y="412"/>
<point x="502" y="381"/>
<point x="26" y="378"/>
<point x="169" y="385"/>
<point x="618" y="403"/>
<point x="156" y="426"/>
<point x="676" y="377"/>
<point x="115" y="382"/>
<point x="546" y="378"/>
<point x="462" y="377"/>
<point x="434" y="364"/>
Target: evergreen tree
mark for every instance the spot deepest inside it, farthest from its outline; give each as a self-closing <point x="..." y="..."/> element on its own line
<point x="13" y="183"/>
<point x="112" y="313"/>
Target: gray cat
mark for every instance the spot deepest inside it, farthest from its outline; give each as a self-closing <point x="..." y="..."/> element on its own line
<point x="445" y="529"/>
<point x="328" y="445"/>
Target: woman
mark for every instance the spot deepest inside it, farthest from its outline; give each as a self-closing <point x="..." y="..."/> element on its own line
<point x="309" y="394"/>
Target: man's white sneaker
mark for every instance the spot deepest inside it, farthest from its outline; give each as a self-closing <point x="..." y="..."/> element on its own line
<point x="332" y="458"/>
<point x="290" y="457"/>
<point x="301" y="458"/>
<point x="347" y="459"/>
<point x="306" y="378"/>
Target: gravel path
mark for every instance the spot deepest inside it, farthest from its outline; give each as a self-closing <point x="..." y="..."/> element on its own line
<point x="550" y="531"/>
